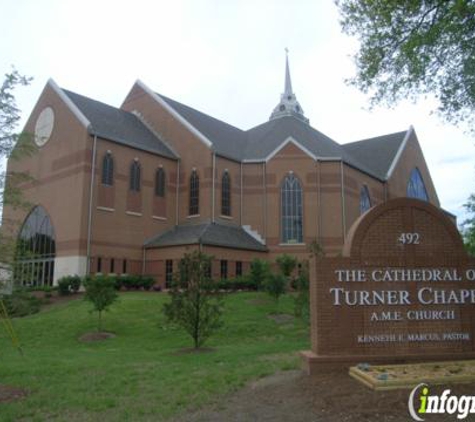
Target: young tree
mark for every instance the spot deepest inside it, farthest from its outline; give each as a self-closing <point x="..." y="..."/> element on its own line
<point x="101" y="292"/>
<point x="12" y="146"/>
<point x="276" y="285"/>
<point x="408" y="48"/>
<point x="259" y="272"/>
<point x="287" y="264"/>
<point x="195" y="303"/>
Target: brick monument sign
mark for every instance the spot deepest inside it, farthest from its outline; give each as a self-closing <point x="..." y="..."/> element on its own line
<point x="403" y="289"/>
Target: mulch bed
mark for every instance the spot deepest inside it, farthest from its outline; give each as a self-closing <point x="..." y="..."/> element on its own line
<point x="9" y="393"/>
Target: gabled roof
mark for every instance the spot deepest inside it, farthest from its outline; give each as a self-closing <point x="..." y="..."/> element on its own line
<point x="227" y="140"/>
<point x="118" y="125"/>
<point x="210" y="234"/>
<point x="372" y="156"/>
<point x="377" y="153"/>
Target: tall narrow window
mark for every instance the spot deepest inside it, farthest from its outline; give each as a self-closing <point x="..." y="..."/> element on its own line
<point x="238" y="268"/>
<point x="160" y="183"/>
<point x="224" y="269"/>
<point x="365" y="200"/>
<point x="124" y="266"/>
<point x="135" y="176"/>
<point x="291" y="210"/>
<point x="226" y="194"/>
<point x="108" y="170"/>
<point x="112" y="265"/>
<point x="99" y="265"/>
<point x="168" y="272"/>
<point x="194" y="194"/>
<point x="415" y="186"/>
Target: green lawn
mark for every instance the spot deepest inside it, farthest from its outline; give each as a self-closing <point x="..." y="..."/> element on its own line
<point x="140" y="375"/>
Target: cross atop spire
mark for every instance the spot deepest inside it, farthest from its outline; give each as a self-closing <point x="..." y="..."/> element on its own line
<point x="288" y="105"/>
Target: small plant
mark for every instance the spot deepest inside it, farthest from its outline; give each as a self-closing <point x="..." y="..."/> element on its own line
<point x="258" y="273"/>
<point x="287" y="264"/>
<point x="276" y="285"/>
<point x="195" y="303"/>
<point x="302" y="298"/>
<point x="101" y="292"/>
<point x="69" y="284"/>
<point x="21" y="303"/>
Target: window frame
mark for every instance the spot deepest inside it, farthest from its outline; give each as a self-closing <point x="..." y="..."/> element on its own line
<point x="226" y="194"/>
<point x="135" y="176"/>
<point x="107" y="177"/>
<point x="160" y="182"/>
<point x="291" y="210"/>
<point x="194" y="197"/>
<point x="365" y="199"/>
<point x="416" y="187"/>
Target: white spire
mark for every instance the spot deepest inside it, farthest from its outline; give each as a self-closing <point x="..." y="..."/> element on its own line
<point x="288" y="82"/>
<point x="288" y="105"/>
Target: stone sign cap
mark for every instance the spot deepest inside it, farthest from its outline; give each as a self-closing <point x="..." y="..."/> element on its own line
<point x="404" y="229"/>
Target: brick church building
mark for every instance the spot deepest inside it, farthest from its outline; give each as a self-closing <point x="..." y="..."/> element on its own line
<point x="130" y="189"/>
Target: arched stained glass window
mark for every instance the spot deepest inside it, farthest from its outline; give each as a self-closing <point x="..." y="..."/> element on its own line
<point x="36" y="250"/>
<point x="160" y="182"/>
<point x="365" y="200"/>
<point x="108" y="170"/>
<point x="291" y="210"/>
<point x="135" y="176"/>
<point x="194" y="207"/>
<point x="415" y="186"/>
<point x="226" y="194"/>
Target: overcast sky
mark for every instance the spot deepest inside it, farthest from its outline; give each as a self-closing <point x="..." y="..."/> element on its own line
<point x="225" y="58"/>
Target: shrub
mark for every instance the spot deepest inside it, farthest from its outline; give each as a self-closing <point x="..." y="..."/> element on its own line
<point x="276" y="285"/>
<point x="302" y="298"/>
<point x="286" y="263"/>
<point x="195" y="304"/>
<point x="258" y="273"/>
<point x="146" y="282"/>
<point x="69" y="284"/>
<point x="21" y="303"/>
<point x="101" y="292"/>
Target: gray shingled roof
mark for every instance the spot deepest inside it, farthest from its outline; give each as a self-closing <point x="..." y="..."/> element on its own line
<point x="228" y="140"/>
<point x="211" y="234"/>
<point x="373" y="156"/>
<point x="377" y="153"/>
<point x="119" y="125"/>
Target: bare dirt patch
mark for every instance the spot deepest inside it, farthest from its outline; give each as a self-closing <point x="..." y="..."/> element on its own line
<point x="96" y="336"/>
<point x="292" y="396"/>
<point x="9" y="393"/>
<point x="281" y="318"/>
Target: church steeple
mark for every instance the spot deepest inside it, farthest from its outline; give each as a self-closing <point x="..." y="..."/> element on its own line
<point x="288" y="105"/>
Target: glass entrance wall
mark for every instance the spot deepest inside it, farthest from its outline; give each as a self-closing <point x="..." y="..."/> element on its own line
<point x="36" y="250"/>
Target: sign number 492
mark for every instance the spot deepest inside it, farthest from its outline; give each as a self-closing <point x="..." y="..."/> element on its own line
<point x="409" y="238"/>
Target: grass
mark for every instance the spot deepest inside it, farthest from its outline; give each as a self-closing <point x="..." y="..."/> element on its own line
<point x="140" y="375"/>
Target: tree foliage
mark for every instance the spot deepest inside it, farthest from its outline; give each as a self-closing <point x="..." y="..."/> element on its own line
<point x="468" y="226"/>
<point x="413" y="47"/>
<point x="287" y="264"/>
<point x="195" y="303"/>
<point x="259" y="272"/>
<point x="101" y="292"/>
<point x="14" y="146"/>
